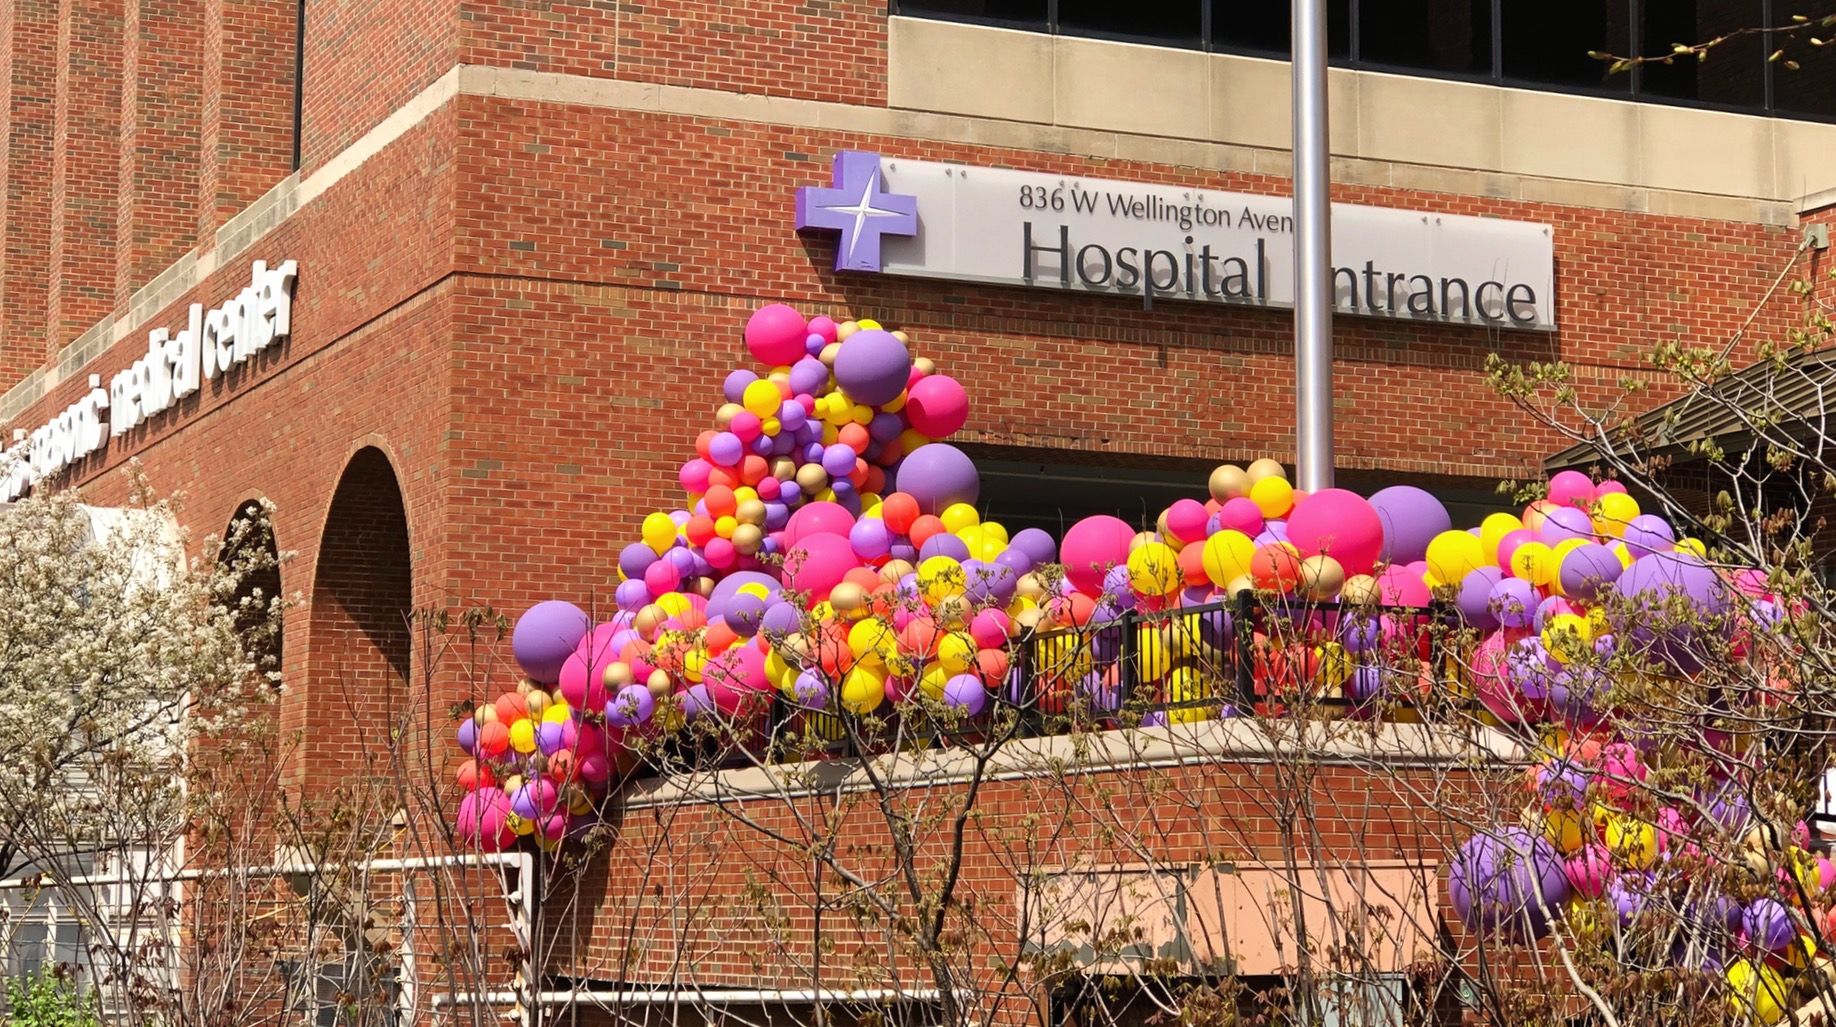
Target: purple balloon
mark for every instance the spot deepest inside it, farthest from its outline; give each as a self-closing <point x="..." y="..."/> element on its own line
<point x="872" y="366"/>
<point x="938" y="476"/>
<point x="1514" y="601"/>
<point x="631" y="706"/>
<point x="634" y="558"/>
<point x="734" y="388"/>
<point x="811" y="690"/>
<point x="468" y="736"/>
<point x="744" y="614"/>
<point x="1564" y="523"/>
<point x="944" y="544"/>
<point x="838" y="460"/>
<point x="1360" y="633"/>
<point x="1036" y="544"/>
<point x="870" y="538"/>
<point x="885" y="427"/>
<point x="721" y="599"/>
<point x="791" y="416"/>
<point x="551" y="737"/>
<point x="1647" y="534"/>
<point x="780" y="619"/>
<point x="967" y="693"/>
<point x="1768" y="924"/>
<point x="902" y="550"/>
<point x="1586" y="568"/>
<point x="1510" y="881"/>
<point x="1411" y="519"/>
<point x="1475" y="599"/>
<point x="726" y="449"/>
<point x="695" y="701"/>
<point x="1015" y="560"/>
<point x="1365" y="684"/>
<point x="808" y="377"/>
<point x="1651" y="582"/>
<point x="545" y="636"/>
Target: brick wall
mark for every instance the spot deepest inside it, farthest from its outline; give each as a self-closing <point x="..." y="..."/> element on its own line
<point x="85" y="155"/>
<point x="161" y="83"/>
<point x="247" y="120"/>
<point x="28" y="74"/>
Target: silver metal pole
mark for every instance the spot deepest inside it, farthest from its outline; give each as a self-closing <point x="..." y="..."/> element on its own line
<point x="1312" y="252"/>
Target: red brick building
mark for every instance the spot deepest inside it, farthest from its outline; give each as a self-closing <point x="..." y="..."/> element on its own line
<point x="527" y="236"/>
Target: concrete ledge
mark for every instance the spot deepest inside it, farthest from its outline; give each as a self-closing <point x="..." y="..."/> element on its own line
<point x="1333" y="743"/>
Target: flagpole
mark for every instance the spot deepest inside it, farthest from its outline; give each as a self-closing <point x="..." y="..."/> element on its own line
<point x="1313" y="451"/>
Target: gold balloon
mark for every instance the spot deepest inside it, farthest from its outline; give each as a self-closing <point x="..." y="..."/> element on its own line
<point x="1321" y="577"/>
<point x="525" y="686"/>
<point x="748" y="539"/>
<point x="535" y="703"/>
<point x="1141" y="538"/>
<point x="648" y="621"/>
<point x="952" y="611"/>
<point x="902" y="337"/>
<point x="828" y="352"/>
<point x="1160" y="525"/>
<point x="925" y="364"/>
<point x="1029" y="617"/>
<point x="659" y="689"/>
<point x="845" y="329"/>
<point x="847" y="597"/>
<point x="725" y="415"/>
<point x="617" y="675"/>
<point x="751" y="511"/>
<point x="896" y="569"/>
<point x="783" y="468"/>
<point x="703" y="587"/>
<point x="1361" y="590"/>
<point x="811" y="478"/>
<point x="1238" y="585"/>
<point x="1228" y="481"/>
<point x="484" y="713"/>
<point x="1029" y="586"/>
<point x="1265" y="468"/>
<point x="659" y="679"/>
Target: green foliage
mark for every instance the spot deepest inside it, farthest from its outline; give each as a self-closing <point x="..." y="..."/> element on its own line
<point x="48" y="999"/>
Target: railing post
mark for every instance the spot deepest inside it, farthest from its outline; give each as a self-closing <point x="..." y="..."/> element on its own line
<point x="1243" y="624"/>
<point x="1128" y="676"/>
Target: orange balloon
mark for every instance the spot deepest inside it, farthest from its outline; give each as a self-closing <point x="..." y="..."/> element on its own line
<point x="899" y="511"/>
<point x="691" y="618"/>
<point x="561" y="766"/>
<point x="919" y="638"/>
<point x="699" y="530"/>
<point x="720" y="502"/>
<point x="511" y="708"/>
<point x="719" y="638"/>
<point x="924" y="529"/>
<point x="1074" y="610"/>
<point x="876" y="480"/>
<point x="866" y="577"/>
<point x="991" y="666"/>
<point x="703" y="444"/>
<point x="1275" y="568"/>
<point x="854" y="436"/>
<point x="493" y="739"/>
<point x="474" y="775"/>
<point x="753" y="469"/>
<point x="721" y="478"/>
<point x="1192" y="564"/>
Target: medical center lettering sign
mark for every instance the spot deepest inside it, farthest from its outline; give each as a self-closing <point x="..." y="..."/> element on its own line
<point x="212" y="343"/>
<point x="928" y="220"/>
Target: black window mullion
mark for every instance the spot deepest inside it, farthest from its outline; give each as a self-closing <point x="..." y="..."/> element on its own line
<point x="1357" y="48"/>
<point x="1497" y="39"/>
<point x="1052" y="17"/>
<point x="1635" y="31"/>
<point x="1205" y="25"/>
<point x="1766" y="48"/>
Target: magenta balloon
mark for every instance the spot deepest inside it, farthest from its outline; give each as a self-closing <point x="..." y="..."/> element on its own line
<point x="1186" y="520"/>
<point x="818" y="563"/>
<point x="1403" y="587"/>
<point x="937" y="406"/>
<point x="733" y="675"/>
<point x="817" y="518"/>
<point x="1507" y="545"/>
<point x="1586" y="568"/>
<point x="1091" y="548"/>
<point x="775" y="335"/>
<point x="1241" y="514"/>
<point x="1564" y="523"/>
<point x="872" y="366"/>
<point x="1571" y="489"/>
<point x="939" y="476"/>
<point x="545" y="636"/>
<point x="1411" y="518"/>
<point x="1340" y="524"/>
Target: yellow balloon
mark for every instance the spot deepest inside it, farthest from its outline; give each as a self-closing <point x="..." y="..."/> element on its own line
<point x="863" y="688"/>
<point x="956" y="652"/>
<point x="673" y="603"/>
<point x="1493" y="529"/>
<point x="1227" y="556"/>
<point x="932" y="681"/>
<point x="762" y="398"/>
<point x="1273" y="496"/>
<point x="1186" y="685"/>
<point x="995" y="530"/>
<point x="694" y="662"/>
<point x="1452" y="555"/>
<point x="1335" y="664"/>
<point x="659" y="532"/>
<point x="1153" y="655"/>
<point x="1613" y="512"/>
<point x="870" y="639"/>
<point x="1632" y="840"/>
<point x="1534" y="563"/>
<point x="1693" y="545"/>
<point x="1624" y="553"/>
<point x="958" y="516"/>
<point x="558" y="712"/>
<point x="523" y="736"/>
<point x="1153" y="569"/>
<point x="519" y="825"/>
<point x="939" y="578"/>
<point x="1757" y="991"/>
<point x="972" y="537"/>
<point x="1566" y="829"/>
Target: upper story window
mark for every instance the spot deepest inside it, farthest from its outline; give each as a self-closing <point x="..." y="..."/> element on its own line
<point x="1536" y="44"/>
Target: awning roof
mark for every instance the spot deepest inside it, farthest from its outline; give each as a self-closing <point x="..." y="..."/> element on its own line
<point x="1793" y="397"/>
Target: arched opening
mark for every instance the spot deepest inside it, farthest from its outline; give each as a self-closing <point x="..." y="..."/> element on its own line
<point x="250" y="550"/>
<point x="363" y="589"/>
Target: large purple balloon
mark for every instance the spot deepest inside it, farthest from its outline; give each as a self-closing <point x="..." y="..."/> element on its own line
<point x="939" y="476"/>
<point x="546" y="636"/>
<point x="1768" y="924"/>
<point x="729" y="586"/>
<point x="873" y="366"/>
<point x="1651" y="581"/>
<point x="1036" y="544"/>
<point x="1564" y="523"/>
<point x="1586" y="568"/>
<point x="1511" y="881"/>
<point x="1411" y="519"/>
<point x="1475" y="599"/>
<point x="1647" y="534"/>
<point x="1513" y="602"/>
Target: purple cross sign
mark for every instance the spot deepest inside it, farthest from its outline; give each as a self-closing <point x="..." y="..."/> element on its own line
<point x="858" y="208"/>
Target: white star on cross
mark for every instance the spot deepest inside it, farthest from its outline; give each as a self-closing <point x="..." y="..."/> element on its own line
<point x="864" y="209"/>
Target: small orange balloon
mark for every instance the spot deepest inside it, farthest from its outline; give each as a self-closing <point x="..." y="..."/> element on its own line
<point x="900" y="511"/>
<point x="1192" y="564"/>
<point x="1275" y="568"/>
<point x="924" y="529"/>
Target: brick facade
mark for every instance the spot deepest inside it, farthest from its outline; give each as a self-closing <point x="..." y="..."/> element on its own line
<point x="520" y="310"/>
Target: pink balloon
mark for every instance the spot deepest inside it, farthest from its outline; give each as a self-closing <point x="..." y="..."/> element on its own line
<point x="694" y="476"/>
<point x="818" y="562"/>
<point x="937" y="406"/>
<point x="1571" y="489"/>
<point x="734" y="674"/>
<point x="1340" y="524"/>
<point x="1508" y="545"/>
<point x="1607" y="488"/>
<point x="1091" y="548"/>
<point x="775" y="335"/>
<point x="1403" y="587"/>
<point x="1241" y="514"/>
<point x="817" y="518"/>
<point x="661" y="577"/>
<point x="989" y="629"/>
<point x="1588" y="870"/>
<point x="1186" y="520"/>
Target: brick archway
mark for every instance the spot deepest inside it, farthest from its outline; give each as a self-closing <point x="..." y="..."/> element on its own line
<point x="362" y="591"/>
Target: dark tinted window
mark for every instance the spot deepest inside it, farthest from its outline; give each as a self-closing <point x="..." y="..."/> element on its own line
<point x="1811" y="87"/>
<point x="1735" y="71"/>
<point x="1030" y="13"/>
<point x="1436" y="35"/>
<point x="1177" y="22"/>
<point x="1547" y="41"/>
<point x="1263" y="26"/>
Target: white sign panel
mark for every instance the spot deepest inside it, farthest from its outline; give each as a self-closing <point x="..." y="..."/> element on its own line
<point x="1157" y="242"/>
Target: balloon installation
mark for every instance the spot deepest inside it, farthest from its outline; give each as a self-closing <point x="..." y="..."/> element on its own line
<point x="829" y="549"/>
